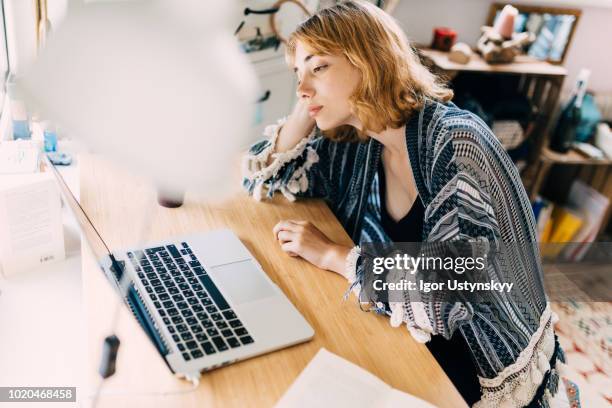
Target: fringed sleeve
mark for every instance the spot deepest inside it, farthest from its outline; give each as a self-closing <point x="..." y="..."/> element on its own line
<point x="293" y="173"/>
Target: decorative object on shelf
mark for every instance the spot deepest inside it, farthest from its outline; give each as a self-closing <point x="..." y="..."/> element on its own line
<point x="603" y="139"/>
<point x="499" y="44"/>
<point x="510" y="115"/>
<point x="588" y="150"/>
<point x="565" y="132"/>
<point x="260" y="43"/>
<point x="461" y="53"/>
<point x="589" y="118"/>
<point x="495" y="48"/>
<point x="551" y="27"/>
<point x="60" y="159"/>
<point x="504" y="24"/>
<point x="291" y="13"/>
<point x="509" y="132"/>
<point x="443" y="38"/>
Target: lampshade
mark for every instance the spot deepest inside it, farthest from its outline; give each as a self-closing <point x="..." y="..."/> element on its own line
<point x="159" y="86"/>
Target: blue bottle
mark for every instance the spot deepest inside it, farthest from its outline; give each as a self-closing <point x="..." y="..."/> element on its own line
<point x="50" y="140"/>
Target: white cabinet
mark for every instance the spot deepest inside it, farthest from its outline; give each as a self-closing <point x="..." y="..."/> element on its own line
<point x="276" y="89"/>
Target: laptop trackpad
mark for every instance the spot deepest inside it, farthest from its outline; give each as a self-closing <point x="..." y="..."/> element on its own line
<point x="242" y="282"/>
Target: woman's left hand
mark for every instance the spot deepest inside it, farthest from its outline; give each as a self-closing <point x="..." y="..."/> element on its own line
<point x="303" y="239"/>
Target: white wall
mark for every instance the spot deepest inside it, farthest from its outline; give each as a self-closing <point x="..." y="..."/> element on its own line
<point x="21" y="32"/>
<point x="587" y="50"/>
<point x="56" y="11"/>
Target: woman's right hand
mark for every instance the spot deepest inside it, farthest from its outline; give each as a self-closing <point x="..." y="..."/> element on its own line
<point x="299" y="124"/>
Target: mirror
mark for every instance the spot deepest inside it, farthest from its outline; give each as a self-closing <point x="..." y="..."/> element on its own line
<point x="553" y="29"/>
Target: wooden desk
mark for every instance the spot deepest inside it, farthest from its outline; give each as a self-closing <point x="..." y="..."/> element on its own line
<point x="115" y="203"/>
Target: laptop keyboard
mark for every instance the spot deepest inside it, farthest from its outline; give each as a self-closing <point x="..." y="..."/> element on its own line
<point x="193" y="309"/>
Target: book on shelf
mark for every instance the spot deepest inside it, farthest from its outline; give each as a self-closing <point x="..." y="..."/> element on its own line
<point x="546" y="230"/>
<point x="537" y="206"/>
<point x="592" y="207"/>
<point x="565" y="224"/>
<point x="569" y="230"/>
<point x="542" y="210"/>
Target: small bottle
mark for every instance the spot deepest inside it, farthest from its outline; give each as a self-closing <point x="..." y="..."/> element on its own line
<point x="21" y="123"/>
<point x="50" y="138"/>
<point x="19" y="114"/>
<point x="565" y="132"/>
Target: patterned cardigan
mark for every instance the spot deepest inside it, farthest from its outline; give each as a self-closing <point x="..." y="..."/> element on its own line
<point x="470" y="189"/>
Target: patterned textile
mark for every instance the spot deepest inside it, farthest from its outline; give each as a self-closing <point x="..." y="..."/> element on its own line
<point x="573" y="393"/>
<point x="471" y="190"/>
<point x="585" y="333"/>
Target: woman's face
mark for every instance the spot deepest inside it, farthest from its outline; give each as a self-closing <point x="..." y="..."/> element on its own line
<point x="325" y="83"/>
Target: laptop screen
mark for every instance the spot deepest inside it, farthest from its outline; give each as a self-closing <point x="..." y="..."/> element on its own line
<point x="92" y="236"/>
<point x="100" y="250"/>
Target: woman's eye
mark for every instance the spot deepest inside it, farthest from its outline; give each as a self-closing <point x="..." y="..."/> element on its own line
<point x="320" y="67"/>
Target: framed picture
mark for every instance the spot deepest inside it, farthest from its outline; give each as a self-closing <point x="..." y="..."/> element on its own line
<point x="553" y="29"/>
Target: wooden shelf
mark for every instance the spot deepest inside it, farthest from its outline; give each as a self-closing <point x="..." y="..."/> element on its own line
<point x="571" y="157"/>
<point x="523" y="64"/>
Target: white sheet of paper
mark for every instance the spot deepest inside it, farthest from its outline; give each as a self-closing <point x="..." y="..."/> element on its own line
<point x="30" y="208"/>
<point x="330" y="380"/>
<point x="396" y="398"/>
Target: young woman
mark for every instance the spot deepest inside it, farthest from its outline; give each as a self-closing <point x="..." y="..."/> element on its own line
<point x="376" y="136"/>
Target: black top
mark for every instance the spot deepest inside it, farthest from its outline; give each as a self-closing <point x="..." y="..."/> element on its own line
<point x="410" y="227"/>
<point x="454" y="355"/>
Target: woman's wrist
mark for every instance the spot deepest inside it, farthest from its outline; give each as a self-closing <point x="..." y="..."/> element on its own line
<point x="297" y="126"/>
<point x="335" y="258"/>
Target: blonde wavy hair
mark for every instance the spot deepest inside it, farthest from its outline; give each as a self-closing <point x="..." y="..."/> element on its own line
<point x="394" y="83"/>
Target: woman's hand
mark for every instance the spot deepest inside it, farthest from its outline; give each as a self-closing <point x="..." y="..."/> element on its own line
<point x="303" y="239"/>
<point x="299" y="124"/>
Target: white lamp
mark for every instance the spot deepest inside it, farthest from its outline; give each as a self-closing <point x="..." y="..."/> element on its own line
<point x="159" y="86"/>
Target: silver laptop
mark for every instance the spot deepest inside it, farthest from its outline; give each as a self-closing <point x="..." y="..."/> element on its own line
<point x="203" y="299"/>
